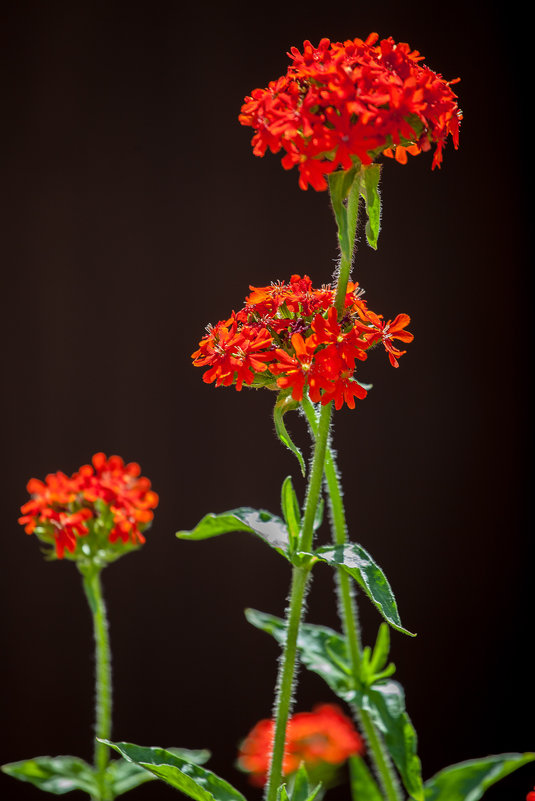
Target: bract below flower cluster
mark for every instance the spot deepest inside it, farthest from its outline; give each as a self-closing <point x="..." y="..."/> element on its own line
<point x="341" y="102"/>
<point x="319" y="738"/>
<point x="289" y="337"/>
<point x="105" y="502"/>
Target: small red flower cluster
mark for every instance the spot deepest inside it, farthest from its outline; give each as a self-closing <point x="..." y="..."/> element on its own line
<point x="288" y="336"/>
<point x="531" y="796"/>
<point x="62" y="508"/>
<point x="324" y="735"/>
<point x="353" y="100"/>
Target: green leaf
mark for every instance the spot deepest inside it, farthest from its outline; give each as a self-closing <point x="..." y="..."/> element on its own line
<point x="290" y="509"/>
<point x="282" y="793"/>
<point x="270" y="528"/>
<point x="340" y="184"/>
<point x="321" y="649"/>
<point x="372" y="199"/>
<point x="56" y="775"/>
<point x="285" y="404"/>
<point x="191" y="779"/>
<point x="385" y="703"/>
<point x="363" y="785"/>
<point x="124" y="776"/>
<point x="381" y="648"/>
<point x="468" y="781"/>
<point x="300" y="785"/>
<point x="358" y="563"/>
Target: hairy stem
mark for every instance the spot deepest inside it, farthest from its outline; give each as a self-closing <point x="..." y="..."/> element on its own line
<point x="294" y="613"/>
<point x="103" y="685"/>
<point x="286" y="678"/>
<point x="349" y="615"/>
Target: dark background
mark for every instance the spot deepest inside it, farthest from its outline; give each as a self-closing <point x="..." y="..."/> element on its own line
<point x="135" y="213"/>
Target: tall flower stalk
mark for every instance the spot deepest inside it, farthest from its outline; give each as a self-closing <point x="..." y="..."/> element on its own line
<point x="91" y="518"/>
<point x="103" y="679"/>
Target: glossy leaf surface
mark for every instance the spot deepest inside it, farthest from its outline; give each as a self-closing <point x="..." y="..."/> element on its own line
<point x="191" y="779"/>
<point x="270" y="528"/>
<point x="386" y="704"/>
<point x="321" y="649"/>
<point x="358" y="563"/>
<point x="468" y="781"/>
<point x="363" y="785"/>
<point x="124" y="776"/>
<point x="57" y="775"/>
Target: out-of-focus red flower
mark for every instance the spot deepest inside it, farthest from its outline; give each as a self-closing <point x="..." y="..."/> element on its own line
<point x="63" y="509"/>
<point x="288" y="336"/>
<point x="323" y="736"/>
<point x="344" y="103"/>
<point x="531" y="796"/>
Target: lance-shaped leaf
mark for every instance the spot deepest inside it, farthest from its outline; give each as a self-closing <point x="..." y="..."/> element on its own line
<point x="358" y="563"/>
<point x="57" y="775"/>
<point x="291" y="510"/>
<point x="370" y="192"/>
<point x="191" y="779"/>
<point x="124" y="776"/>
<point x="468" y="781"/>
<point x="321" y="649"/>
<point x="299" y="786"/>
<point x="385" y="703"/>
<point x="285" y="404"/>
<point x="341" y="183"/>
<point x="363" y="785"/>
<point x="270" y="528"/>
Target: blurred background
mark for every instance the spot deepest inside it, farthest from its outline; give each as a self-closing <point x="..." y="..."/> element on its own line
<point x="135" y="213"/>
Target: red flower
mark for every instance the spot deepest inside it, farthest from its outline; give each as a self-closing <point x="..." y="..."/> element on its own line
<point x="319" y="738"/>
<point x="531" y="796"/>
<point x="345" y="103"/>
<point x="386" y="332"/>
<point x="288" y="336"/>
<point x="108" y="492"/>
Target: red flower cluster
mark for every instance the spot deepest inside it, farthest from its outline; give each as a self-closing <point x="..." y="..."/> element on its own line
<point x="62" y="509"/>
<point x="531" y="796"/>
<point x="341" y="102"/>
<point x="288" y="336"/>
<point x="324" y="735"/>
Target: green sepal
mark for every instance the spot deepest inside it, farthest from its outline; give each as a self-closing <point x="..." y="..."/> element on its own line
<point x="363" y="785"/>
<point x="372" y="200"/>
<point x="385" y="703"/>
<point x="291" y="511"/>
<point x="358" y="563"/>
<point x="468" y="781"/>
<point x="321" y="649"/>
<point x="188" y="777"/>
<point x="285" y="404"/>
<point x="270" y="528"/>
<point x="57" y="775"/>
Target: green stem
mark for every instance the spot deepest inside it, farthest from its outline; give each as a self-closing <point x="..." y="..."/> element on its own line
<point x="103" y="686"/>
<point x="349" y="615"/>
<point x="285" y="681"/>
<point x="286" y="678"/>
